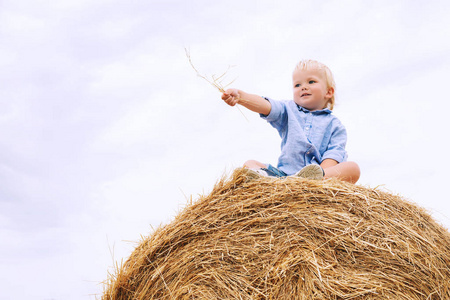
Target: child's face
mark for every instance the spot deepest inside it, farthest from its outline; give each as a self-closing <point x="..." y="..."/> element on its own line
<point x="310" y="89"/>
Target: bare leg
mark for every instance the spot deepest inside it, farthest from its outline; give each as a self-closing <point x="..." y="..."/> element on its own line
<point x="253" y="164"/>
<point x="347" y="171"/>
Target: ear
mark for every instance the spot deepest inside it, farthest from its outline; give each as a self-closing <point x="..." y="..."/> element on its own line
<point x="330" y="92"/>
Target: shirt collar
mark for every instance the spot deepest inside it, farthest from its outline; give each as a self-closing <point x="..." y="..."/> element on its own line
<point x="316" y="112"/>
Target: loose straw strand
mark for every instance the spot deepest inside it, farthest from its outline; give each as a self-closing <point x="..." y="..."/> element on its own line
<point x="216" y="82"/>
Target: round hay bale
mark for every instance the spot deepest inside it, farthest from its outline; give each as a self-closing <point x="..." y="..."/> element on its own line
<point x="267" y="238"/>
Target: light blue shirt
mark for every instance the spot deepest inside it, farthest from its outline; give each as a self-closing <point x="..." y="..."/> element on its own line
<point x="307" y="137"/>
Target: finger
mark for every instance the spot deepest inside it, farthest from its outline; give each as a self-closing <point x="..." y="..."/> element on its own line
<point x="231" y="101"/>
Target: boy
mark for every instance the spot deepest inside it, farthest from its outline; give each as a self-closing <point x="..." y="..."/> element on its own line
<point x="313" y="140"/>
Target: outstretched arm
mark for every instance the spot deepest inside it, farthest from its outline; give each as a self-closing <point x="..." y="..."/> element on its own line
<point x="251" y="101"/>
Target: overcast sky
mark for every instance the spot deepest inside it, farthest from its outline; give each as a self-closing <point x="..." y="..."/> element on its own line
<point x="106" y="130"/>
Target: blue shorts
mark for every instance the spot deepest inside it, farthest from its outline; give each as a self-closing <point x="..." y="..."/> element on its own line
<point x="272" y="171"/>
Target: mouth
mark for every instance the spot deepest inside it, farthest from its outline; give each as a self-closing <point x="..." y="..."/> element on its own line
<point x="304" y="95"/>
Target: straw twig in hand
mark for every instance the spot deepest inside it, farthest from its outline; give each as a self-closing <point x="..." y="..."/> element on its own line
<point x="216" y="82"/>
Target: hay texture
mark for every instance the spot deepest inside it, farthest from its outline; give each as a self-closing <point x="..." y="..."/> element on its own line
<point x="267" y="238"/>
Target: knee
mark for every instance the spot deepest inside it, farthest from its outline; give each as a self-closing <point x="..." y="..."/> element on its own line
<point x="253" y="164"/>
<point x="355" y="171"/>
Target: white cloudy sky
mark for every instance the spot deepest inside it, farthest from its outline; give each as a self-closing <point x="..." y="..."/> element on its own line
<point x="105" y="129"/>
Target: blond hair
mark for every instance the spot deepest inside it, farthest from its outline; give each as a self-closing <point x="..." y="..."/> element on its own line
<point x="309" y="64"/>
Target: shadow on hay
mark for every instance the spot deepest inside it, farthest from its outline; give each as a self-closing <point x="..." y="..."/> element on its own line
<point x="267" y="238"/>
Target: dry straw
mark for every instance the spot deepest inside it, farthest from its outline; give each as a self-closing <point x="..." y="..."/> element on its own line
<point x="215" y="81"/>
<point x="266" y="238"/>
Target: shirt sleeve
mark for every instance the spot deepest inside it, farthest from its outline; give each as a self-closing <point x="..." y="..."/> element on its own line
<point x="277" y="116"/>
<point x="336" y="146"/>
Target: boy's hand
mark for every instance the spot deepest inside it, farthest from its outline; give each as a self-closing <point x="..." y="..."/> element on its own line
<point x="250" y="101"/>
<point x="231" y="97"/>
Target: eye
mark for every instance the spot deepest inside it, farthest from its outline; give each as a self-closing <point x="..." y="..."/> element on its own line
<point x="297" y="85"/>
<point x="312" y="81"/>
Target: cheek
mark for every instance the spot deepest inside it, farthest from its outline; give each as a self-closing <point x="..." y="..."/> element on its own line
<point x="320" y="90"/>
